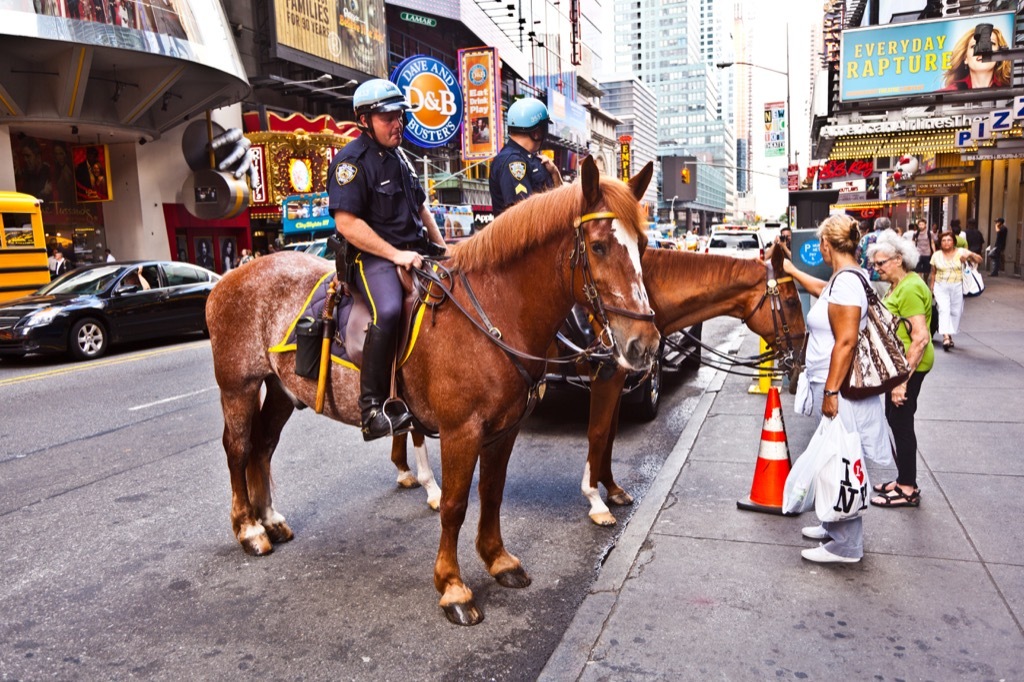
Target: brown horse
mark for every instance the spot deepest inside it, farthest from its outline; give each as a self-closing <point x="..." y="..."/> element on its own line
<point x="684" y="288"/>
<point x="580" y="243"/>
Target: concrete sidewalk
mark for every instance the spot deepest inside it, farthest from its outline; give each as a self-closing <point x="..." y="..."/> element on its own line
<point x="696" y="589"/>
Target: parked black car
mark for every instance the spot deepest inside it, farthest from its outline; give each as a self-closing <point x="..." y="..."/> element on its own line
<point x="89" y="308"/>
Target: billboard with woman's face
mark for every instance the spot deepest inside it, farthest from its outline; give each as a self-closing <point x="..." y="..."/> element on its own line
<point x="195" y="30"/>
<point x="906" y="60"/>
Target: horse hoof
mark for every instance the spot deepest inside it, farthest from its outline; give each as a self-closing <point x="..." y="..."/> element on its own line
<point x="279" y="532"/>
<point x="620" y="499"/>
<point x="463" y="614"/>
<point x="258" y="546"/>
<point x="603" y="519"/>
<point x="407" y="480"/>
<point x="434" y="504"/>
<point x="515" y="577"/>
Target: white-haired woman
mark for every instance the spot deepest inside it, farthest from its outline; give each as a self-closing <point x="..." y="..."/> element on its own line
<point x="947" y="281"/>
<point x="894" y="259"/>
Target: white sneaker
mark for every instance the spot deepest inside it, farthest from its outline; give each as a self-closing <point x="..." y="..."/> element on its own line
<point x="815" y="533"/>
<point x="821" y="555"/>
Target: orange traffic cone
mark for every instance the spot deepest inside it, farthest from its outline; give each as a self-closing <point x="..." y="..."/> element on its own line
<point x="773" y="461"/>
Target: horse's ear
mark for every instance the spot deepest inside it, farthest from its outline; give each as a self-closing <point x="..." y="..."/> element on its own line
<point x="778" y="256"/>
<point x="591" y="182"/>
<point x="638" y="183"/>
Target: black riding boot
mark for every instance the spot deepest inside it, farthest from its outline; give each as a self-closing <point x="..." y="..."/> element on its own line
<point x="375" y="388"/>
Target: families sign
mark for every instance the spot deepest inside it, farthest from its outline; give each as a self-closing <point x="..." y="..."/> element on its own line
<point x="904" y="60"/>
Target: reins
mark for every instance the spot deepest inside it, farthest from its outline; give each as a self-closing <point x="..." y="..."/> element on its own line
<point x="478" y="317"/>
<point x="786" y="356"/>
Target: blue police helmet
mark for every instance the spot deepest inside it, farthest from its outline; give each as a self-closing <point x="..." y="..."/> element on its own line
<point x="378" y="96"/>
<point x="526" y="114"/>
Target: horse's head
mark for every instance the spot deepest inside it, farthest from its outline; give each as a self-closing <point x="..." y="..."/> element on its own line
<point x="606" y="275"/>
<point x="787" y="318"/>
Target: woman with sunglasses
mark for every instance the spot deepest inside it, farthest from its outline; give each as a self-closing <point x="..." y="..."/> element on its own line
<point x="894" y="259"/>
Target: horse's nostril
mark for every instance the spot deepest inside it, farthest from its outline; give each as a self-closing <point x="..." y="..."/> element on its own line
<point x="635" y="351"/>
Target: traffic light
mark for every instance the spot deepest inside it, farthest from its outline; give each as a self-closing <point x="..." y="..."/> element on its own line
<point x="684" y="175"/>
<point x="431" y="191"/>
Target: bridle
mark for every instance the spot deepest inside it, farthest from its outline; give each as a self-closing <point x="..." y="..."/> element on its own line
<point x="784" y="349"/>
<point x="601" y="310"/>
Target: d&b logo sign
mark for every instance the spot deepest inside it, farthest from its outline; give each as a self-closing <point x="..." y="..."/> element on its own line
<point x="435" y="100"/>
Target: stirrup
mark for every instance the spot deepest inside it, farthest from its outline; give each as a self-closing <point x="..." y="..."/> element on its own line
<point x="387" y="425"/>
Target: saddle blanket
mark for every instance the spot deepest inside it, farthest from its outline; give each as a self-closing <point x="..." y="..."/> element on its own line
<point x="314" y="307"/>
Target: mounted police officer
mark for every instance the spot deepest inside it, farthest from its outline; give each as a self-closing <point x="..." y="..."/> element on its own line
<point x="518" y="170"/>
<point x="379" y="208"/>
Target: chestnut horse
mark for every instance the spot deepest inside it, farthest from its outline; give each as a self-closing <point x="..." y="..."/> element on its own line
<point x="579" y="243"/>
<point x="685" y="288"/>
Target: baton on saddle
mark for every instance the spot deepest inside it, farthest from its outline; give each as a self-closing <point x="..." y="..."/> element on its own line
<point x="325" y="345"/>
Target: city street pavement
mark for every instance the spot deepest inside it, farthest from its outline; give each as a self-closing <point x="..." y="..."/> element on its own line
<point x="697" y="589"/>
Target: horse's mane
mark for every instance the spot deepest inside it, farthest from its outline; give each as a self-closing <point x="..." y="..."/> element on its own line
<point x="535" y="220"/>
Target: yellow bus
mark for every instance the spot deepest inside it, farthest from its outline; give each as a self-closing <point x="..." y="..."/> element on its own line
<point x="23" y="262"/>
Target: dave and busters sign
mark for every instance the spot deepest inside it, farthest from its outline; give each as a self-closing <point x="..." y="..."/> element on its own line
<point x="435" y="100"/>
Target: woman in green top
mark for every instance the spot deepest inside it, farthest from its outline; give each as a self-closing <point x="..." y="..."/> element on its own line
<point x="909" y="297"/>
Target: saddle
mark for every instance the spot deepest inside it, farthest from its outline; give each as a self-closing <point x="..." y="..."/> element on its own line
<point x="352" y="316"/>
<point x="353" y="335"/>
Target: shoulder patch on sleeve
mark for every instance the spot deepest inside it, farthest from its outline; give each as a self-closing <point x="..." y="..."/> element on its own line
<point x="345" y="173"/>
<point x="517" y="169"/>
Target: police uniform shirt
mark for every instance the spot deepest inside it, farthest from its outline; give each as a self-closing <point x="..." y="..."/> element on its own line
<point x="515" y="175"/>
<point x="374" y="184"/>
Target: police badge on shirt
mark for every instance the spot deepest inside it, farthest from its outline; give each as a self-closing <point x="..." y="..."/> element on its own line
<point x="345" y="173"/>
<point x="517" y="169"/>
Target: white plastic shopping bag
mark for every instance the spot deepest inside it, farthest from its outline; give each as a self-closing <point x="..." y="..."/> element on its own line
<point x="973" y="284"/>
<point x="798" y="492"/>
<point x="841" y="484"/>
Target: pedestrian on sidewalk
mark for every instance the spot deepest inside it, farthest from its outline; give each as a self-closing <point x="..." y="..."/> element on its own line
<point x="877" y="283"/>
<point x="909" y="297"/>
<point x="947" y="284"/>
<point x="998" y="245"/>
<point x="956" y="227"/>
<point x="975" y="240"/>
<point x="922" y="239"/>
<point x="834" y="324"/>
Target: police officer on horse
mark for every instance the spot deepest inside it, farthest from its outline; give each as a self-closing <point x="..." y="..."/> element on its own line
<point x="518" y="171"/>
<point x="379" y="209"/>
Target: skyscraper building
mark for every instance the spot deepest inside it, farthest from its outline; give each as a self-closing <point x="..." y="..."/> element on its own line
<point x="672" y="46"/>
<point x="635" y="106"/>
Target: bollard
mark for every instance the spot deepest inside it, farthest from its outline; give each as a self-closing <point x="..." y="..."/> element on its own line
<point x="764" y="376"/>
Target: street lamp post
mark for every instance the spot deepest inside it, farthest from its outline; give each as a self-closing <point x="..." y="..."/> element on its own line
<point x="789" y="108"/>
<point x="674" y="212"/>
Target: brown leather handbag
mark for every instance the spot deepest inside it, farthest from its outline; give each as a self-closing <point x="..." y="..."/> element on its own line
<point x="879" y="362"/>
